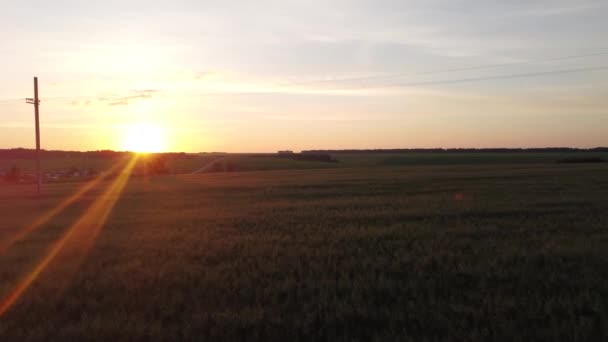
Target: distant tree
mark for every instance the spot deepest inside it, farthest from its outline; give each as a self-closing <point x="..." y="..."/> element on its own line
<point x="73" y="171"/>
<point x="157" y="165"/>
<point x="217" y="167"/>
<point x="14" y="174"/>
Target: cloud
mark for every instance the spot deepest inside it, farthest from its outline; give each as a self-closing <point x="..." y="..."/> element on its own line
<point x="126" y="99"/>
<point x="76" y="103"/>
<point x="202" y="74"/>
<point x="119" y="103"/>
<point x="146" y="92"/>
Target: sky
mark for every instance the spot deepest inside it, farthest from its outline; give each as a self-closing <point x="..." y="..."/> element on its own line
<point x="262" y="76"/>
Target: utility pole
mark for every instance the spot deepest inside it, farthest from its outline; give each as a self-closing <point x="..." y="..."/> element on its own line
<point x="36" y="102"/>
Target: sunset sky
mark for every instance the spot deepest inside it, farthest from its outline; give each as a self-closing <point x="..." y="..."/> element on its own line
<point x="257" y="76"/>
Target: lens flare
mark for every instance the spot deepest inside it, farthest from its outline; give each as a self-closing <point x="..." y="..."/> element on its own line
<point x="23" y="233"/>
<point x="80" y="235"/>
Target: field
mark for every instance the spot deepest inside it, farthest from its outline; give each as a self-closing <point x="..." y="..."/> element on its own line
<point x="477" y="252"/>
<point x="222" y="162"/>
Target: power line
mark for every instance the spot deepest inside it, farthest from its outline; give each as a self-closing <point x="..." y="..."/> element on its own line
<point x="496" y="77"/>
<point x="411" y="84"/>
<point x="36" y="102"/>
<point x="67" y="98"/>
<point x="466" y="80"/>
<point x="11" y="100"/>
<point x="469" y="68"/>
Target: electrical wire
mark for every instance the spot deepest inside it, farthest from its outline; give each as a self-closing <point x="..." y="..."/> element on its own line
<point x="388" y="77"/>
<point x="439" y="71"/>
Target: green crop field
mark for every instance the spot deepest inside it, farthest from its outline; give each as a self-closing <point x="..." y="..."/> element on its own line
<point x="375" y="253"/>
<point x="238" y="162"/>
<point x="51" y="164"/>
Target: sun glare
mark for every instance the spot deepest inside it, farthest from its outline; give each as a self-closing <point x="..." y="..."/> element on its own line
<point x="144" y="138"/>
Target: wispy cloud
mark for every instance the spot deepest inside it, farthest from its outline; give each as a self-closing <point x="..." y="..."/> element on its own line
<point x="203" y="74"/>
<point x="127" y="99"/>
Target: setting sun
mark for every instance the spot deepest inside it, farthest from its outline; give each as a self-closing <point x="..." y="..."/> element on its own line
<point x="144" y="138"/>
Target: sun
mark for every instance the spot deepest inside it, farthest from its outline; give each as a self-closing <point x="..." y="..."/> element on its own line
<point x="144" y="138"/>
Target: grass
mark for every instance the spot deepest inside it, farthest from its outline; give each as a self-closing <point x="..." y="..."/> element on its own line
<point x="244" y="163"/>
<point x="51" y="164"/>
<point x="465" y="158"/>
<point x="176" y="165"/>
<point x="420" y="253"/>
<point x="222" y="162"/>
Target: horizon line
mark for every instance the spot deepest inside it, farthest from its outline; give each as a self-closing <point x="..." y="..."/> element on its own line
<point x="321" y="149"/>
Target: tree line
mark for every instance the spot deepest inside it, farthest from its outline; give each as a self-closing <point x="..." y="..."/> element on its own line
<point x="26" y="153"/>
<point x="462" y="150"/>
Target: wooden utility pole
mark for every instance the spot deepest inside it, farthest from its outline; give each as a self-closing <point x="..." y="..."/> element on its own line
<point x="36" y="102"/>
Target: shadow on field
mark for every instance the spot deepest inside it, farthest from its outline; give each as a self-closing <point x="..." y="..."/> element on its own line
<point x="354" y="254"/>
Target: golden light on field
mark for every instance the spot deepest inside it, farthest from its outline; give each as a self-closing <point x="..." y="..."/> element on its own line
<point x="79" y="237"/>
<point x="144" y="137"/>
